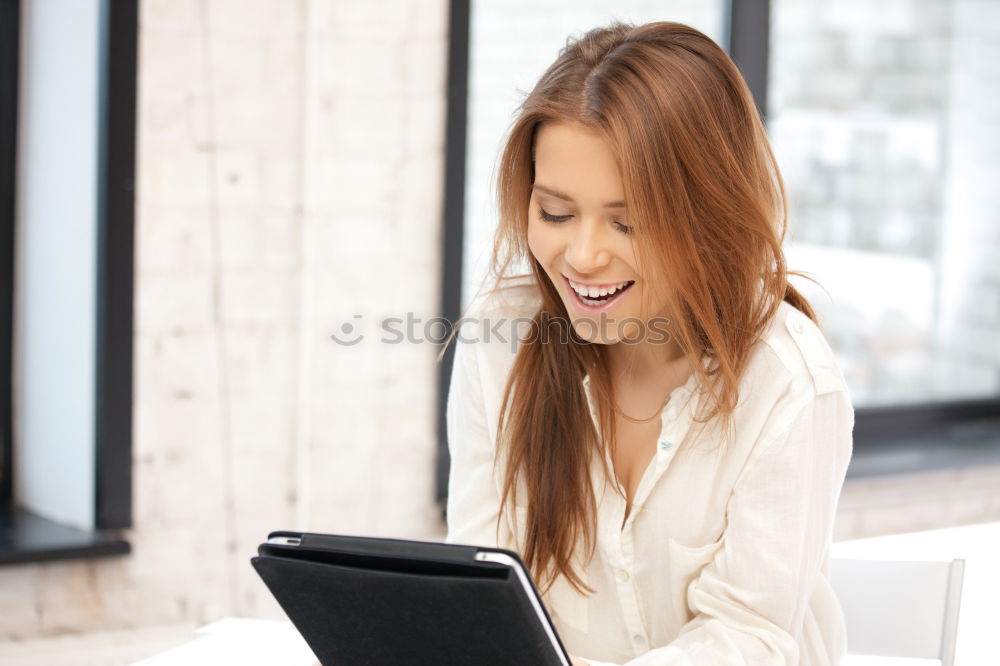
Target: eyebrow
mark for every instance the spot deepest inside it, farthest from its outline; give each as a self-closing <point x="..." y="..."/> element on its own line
<point x="566" y="197"/>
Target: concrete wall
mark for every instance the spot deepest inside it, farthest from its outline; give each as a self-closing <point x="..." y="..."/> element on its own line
<point x="290" y="159"/>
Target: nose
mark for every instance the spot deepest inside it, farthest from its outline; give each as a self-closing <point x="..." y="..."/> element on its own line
<point x="587" y="251"/>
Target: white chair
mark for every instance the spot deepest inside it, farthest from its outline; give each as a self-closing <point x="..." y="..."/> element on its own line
<point x="900" y="608"/>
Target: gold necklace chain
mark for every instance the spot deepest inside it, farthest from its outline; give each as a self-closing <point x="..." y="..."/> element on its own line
<point x="647" y="419"/>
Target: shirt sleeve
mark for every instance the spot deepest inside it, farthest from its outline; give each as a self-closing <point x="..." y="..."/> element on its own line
<point x="473" y="497"/>
<point x="749" y="602"/>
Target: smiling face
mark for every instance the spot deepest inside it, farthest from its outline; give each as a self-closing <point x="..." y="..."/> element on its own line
<point x="578" y="232"/>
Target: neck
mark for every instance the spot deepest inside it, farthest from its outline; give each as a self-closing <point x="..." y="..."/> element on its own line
<point x="648" y="363"/>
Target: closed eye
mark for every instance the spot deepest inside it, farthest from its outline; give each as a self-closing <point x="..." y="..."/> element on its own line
<point x="552" y="218"/>
<point x="625" y="229"/>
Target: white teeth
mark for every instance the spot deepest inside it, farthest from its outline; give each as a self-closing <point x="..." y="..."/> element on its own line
<point x="594" y="292"/>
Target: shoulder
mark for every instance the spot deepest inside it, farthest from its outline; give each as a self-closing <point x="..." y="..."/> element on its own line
<point x="792" y="362"/>
<point x="494" y="322"/>
<point x="792" y="373"/>
<point x="516" y="296"/>
<point x="794" y="378"/>
<point x="804" y="349"/>
<point x="494" y="317"/>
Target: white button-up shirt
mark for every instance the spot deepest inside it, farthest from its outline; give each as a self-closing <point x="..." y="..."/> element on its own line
<point x="724" y="557"/>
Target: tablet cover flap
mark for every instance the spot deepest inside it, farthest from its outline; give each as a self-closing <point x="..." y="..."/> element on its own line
<point x="357" y="615"/>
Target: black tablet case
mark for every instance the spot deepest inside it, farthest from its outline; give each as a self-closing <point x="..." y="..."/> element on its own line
<point x="379" y="601"/>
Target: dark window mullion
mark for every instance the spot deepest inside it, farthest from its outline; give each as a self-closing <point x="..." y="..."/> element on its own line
<point x="10" y="22"/>
<point x="454" y="214"/>
<point x="746" y="37"/>
<point x="115" y="264"/>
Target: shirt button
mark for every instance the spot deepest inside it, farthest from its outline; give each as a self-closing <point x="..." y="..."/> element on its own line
<point x="798" y="327"/>
<point x="639" y="639"/>
<point x="622" y="575"/>
<point x="664" y="444"/>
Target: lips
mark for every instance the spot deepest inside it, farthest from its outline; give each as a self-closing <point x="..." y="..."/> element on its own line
<point x="596" y="305"/>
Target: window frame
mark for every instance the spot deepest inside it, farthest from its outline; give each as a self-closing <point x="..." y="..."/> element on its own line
<point x="25" y="537"/>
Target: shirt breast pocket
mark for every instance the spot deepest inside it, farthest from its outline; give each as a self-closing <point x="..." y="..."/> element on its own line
<point x="685" y="564"/>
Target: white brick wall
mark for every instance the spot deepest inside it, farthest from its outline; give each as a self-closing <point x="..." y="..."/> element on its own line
<point x="290" y="159"/>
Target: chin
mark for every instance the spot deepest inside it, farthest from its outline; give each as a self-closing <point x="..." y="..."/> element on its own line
<point x="591" y="335"/>
<point x="594" y="341"/>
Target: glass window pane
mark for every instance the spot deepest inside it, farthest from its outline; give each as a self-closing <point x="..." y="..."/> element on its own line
<point x="884" y="120"/>
<point x="510" y="45"/>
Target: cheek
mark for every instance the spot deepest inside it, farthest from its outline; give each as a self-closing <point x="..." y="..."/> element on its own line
<point x="539" y="242"/>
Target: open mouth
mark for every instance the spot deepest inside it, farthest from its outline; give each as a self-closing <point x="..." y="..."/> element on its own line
<point x="602" y="299"/>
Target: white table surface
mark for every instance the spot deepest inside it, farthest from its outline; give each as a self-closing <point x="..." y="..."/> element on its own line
<point x="239" y="640"/>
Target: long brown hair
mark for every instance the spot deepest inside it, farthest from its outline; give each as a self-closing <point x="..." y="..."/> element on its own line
<point x="705" y="196"/>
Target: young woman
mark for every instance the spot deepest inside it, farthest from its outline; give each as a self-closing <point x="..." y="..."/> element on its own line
<point x="650" y="415"/>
